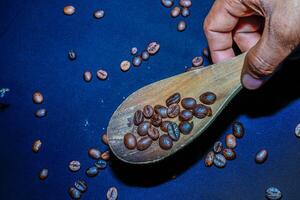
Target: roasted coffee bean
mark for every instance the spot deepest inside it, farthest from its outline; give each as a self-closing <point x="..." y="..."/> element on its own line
<point x="297" y="130"/>
<point x="94" y="153"/>
<point x="185" y="3"/>
<point x="230" y="141"/>
<point x="87" y="76"/>
<point x="138" y="117"/>
<point x="92" y="171"/>
<point x="105" y="138"/>
<point x="174" y="98"/>
<point x="153" y="133"/>
<point x="218" y="147"/>
<point x="137" y="61"/>
<point x="144" y="143"/>
<point x="148" y="111"/>
<point x="173" y="110"/>
<point x="102" y="74"/>
<point x="200" y="111"/>
<point x="165" y="142"/>
<point x="105" y="155"/>
<point x="36" y="146"/>
<point x="133" y="50"/>
<point x="101" y="164"/>
<point x="188" y="103"/>
<point x="185" y="12"/>
<point x="81" y="185"/>
<point x="153" y="48"/>
<point x="261" y="156"/>
<point x="43" y="174"/>
<point x="142" y="129"/>
<point x="273" y="193"/>
<point x="185" y="115"/>
<point x="175" y="12"/>
<point x="209" y="111"/>
<point x="186" y="127"/>
<point x="161" y="110"/>
<point x="125" y="65"/>
<point x="181" y="26"/>
<point x="98" y="14"/>
<point x="145" y="55"/>
<point x="167" y="3"/>
<point x="208" y="98"/>
<point x="72" y="55"/>
<point x="219" y="161"/>
<point x="238" y="129"/>
<point x="112" y="194"/>
<point x="173" y="131"/>
<point x="69" y="10"/>
<point x="156" y="120"/>
<point x="37" y="97"/>
<point x="209" y="159"/>
<point x="197" y="61"/>
<point x="74" y="166"/>
<point x="164" y="126"/>
<point x="229" y="154"/>
<point x="205" y="52"/>
<point x="74" y="193"/>
<point x="41" y="113"/>
<point x="129" y="141"/>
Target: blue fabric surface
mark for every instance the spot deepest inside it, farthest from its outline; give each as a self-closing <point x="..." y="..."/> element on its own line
<point x="35" y="37"/>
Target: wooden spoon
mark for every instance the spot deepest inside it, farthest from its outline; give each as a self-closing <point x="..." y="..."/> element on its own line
<point x="223" y="79"/>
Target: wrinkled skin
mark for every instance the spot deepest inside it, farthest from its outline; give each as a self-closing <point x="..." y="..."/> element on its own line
<point x="268" y="29"/>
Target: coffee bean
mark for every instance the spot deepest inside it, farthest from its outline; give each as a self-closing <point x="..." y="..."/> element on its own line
<point x="138" y="117"/>
<point x="185" y="12"/>
<point x="174" y="98"/>
<point x="87" y="76"/>
<point x="273" y="193"/>
<point x="69" y="10"/>
<point x="105" y="155"/>
<point x="208" y="98"/>
<point x="153" y="133"/>
<point x="185" y="3"/>
<point x="72" y="55"/>
<point x="297" y="130"/>
<point x="98" y="14"/>
<point x="74" y="193"/>
<point x="218" y="147"/>
<point x="133" y="50"/>
<point x="185" y="115"/>
<point x="167" y="3"/>
<point x="230" y="141"/>
<point x="209" y="111"/>
<point x="197" y="61"/>
<point x="200" y="111"/>
<point x="175" y="12"/>
<point x="145" y="55"/>
<point x="74" y="166"/>
<point x="219" y="161"/>
<point x="181" y="26"/>
<point x="205" y="52"/>
<point x="37" y="97"/>
<point x="229" y="154"/>
<point x="101" y="164"/>
<point x="142" y="129"/>
<point x="148" y="111"/>
<point x="165" y="142"/>
<point x="112" y="194"/>
<point x="43" y="174"/>
<point x="164" y="126"/>
<point x="36" y="146"/>
<point x="188" y="103"/>
<point x="81" y="185"/>
<point x="209" y="159"/>
<point x="173" y="131"/>
<point x="173" y="110"/>
<point x="161" y="110"/>
<point x="261" y="156"/>
<point x="238" y="129"/>
<point x="41" y="113"/>
<point x="92" y="171"/>
<point x="153" y="48"/>
<point x="144" y="143"/>
<point x="94" y="153"/>
<point x="129" y="141"/>
<point x="105" y="138"/>
<point x="186" y="127"/>
<point x="156" y="120"/>
<point x="137" y="61"/>
<point x="102" y="74"/>
<point x="125" y="65"/>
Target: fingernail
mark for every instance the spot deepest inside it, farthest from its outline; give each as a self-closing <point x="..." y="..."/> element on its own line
<point x="251" y="83"/>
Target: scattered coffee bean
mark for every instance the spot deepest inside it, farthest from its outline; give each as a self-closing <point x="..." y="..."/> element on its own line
<point x="209" y="111"/>
<point x="174" y="98"/>
<point x="197" y="61"/>
<point x="37" y="97"/>
<point x="142" y="129"/>
<point x="161" y="110"/>
<point x="185" y="12"/>
<point x="94" y="153"/>
<point x="138" y="117"/>
<point x="148" y="111"/>
<point x="200" y="111"/>
<point x="167" y="3"/>
<point x="36" y="146"/>
<point x="185" y="115"/>
<point x="137" y="61"/>
<point x="74" y="166"/>
<point x="273" y="193"/>
<point x="98" y="14"/>
<point x="208" y="98"/>
<point x="164" y="126"/>
<point x="185" y="3"/>
<point x="238" y="129"/>
<point x="153" y="133"/>
<point x="125" y="65"/>
<point x="218" y="147"/>
<point x="87" y="76"/>
<point x="74" y="193"/>
<point x="72" y="55"/>
<point x="92" y="171"/>
<point x="69" y="10"/>
<point x="173" y="110"/>
<point x="297" y="130"/>
<point x="230" y="141"/>
<point x="102" y="74"/>
<point x="219" y="161"/>
<point x="144" y="143"/>
<point x="205" y="52"/>
<point x="145" y="55"/>
<point x="101" y="164"/>
<point x="105" y="155"/>
<point x="181" y="26"/>
<point x="41" y="113"/>
<point x="261" y="156"/>
<point x="173" y="131"/>
<point x="133" y="50"/>
<point x="156" y="120"/>
<point x="105" y="138"/>
<point x="129" y="141"/>
<point x="188" y="103"/>
<point x="112" y="194"/>
<point x="175" y="12"/>
<point x="186" y="127"/>
<point x="165" y="142"/>
<point x="153" y="48"/>
<point x="81" y="185"/>
<point x="209" y="159"/>
<point x="229" y="154"/>
<point x="43" y="174"/>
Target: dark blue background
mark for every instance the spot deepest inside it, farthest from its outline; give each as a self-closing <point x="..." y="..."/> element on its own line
<point x="35" y="37"/>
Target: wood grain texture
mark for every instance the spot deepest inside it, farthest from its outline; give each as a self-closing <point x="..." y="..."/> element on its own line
<point x="223" y="79"/>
